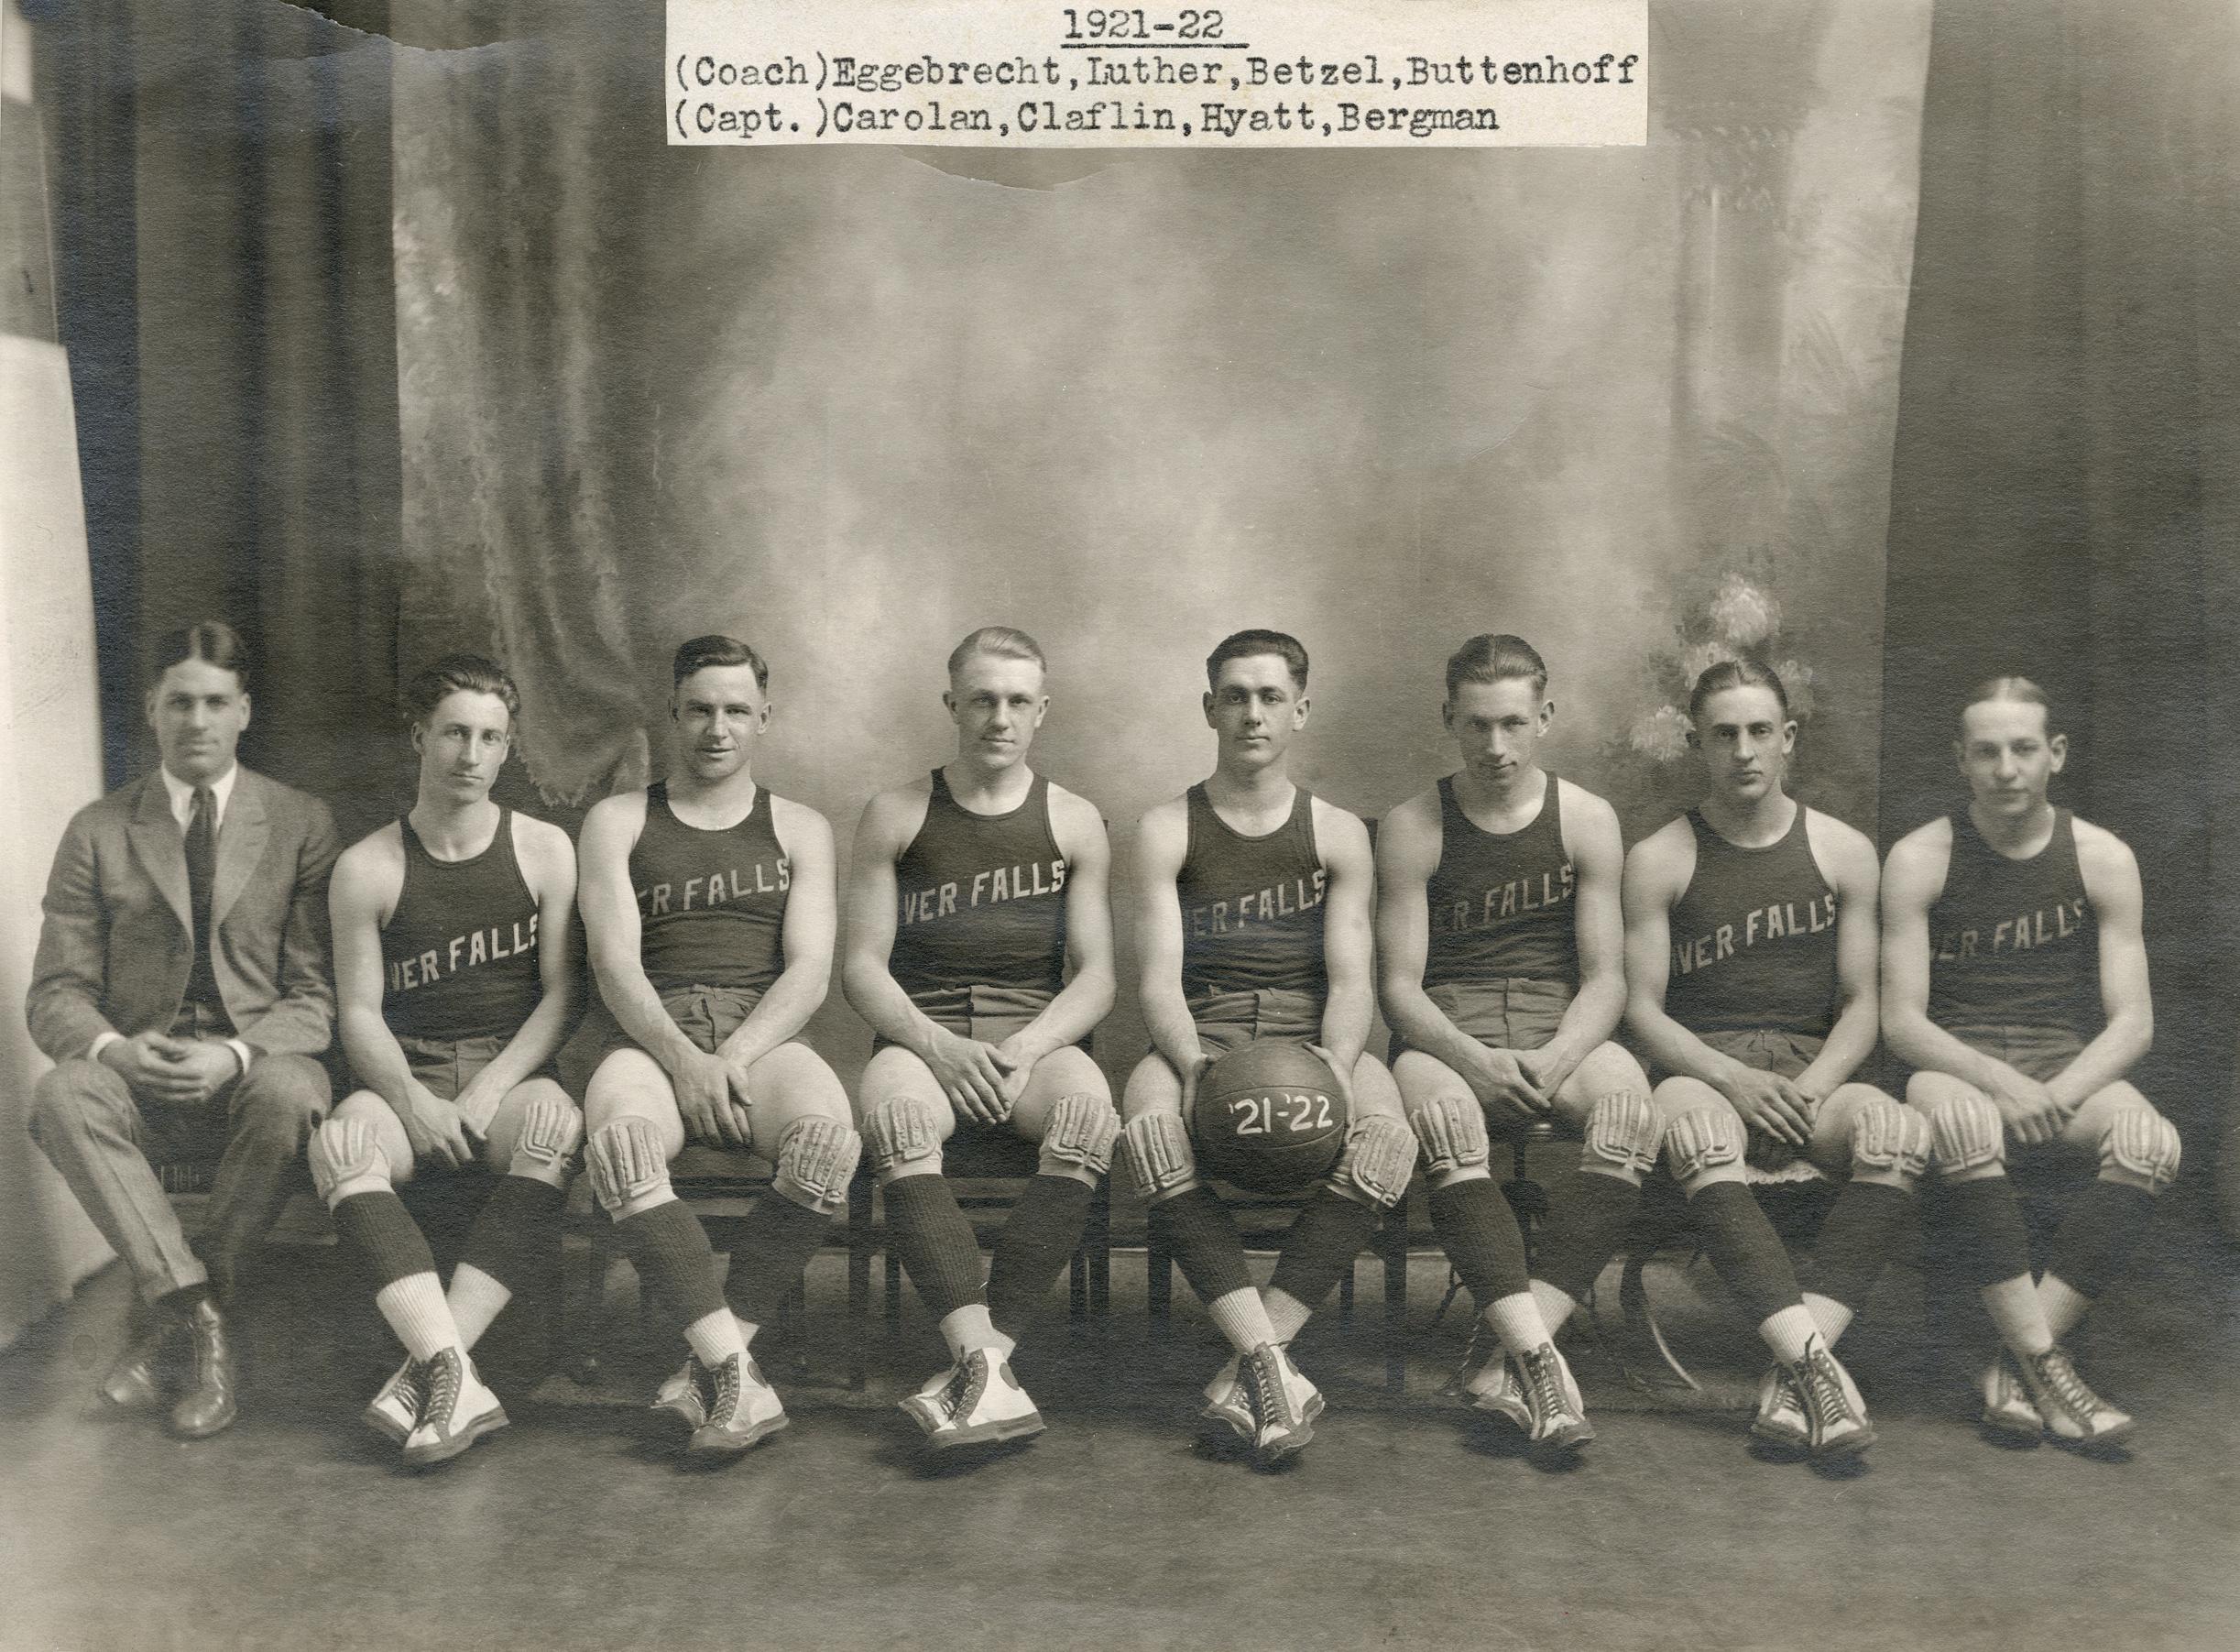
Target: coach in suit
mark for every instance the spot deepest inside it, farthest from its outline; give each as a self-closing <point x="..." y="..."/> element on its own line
<point x="181" y="988"/>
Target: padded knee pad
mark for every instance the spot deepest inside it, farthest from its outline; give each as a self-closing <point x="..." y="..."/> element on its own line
<point x="816" y="1160"/>
<point x="1703" y="1139"/>
<point x="552" y="1130"/>
<point x="1966" y="1133"/>
<point x="1885" y="1136"/>
<point x="1160" y="1157"/>
<point x="1380" y="1157"/>
<point x="1080" y="1135"/>
<point x="2144" y="1143"/>
<point x="1452" y="1130"/>
<point x="342" y="1150"/>
<point x="626" y="1163"/>
<point x="901" y="1130"/>
<point x="1622" y="1135"/>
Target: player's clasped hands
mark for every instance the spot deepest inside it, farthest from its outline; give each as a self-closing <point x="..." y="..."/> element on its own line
<point x="971" y="1075"/>
<point x="1504" y="1083"/>
<point x="2031" y="1113"/>
<point x="1771" y="1105"/>
<point x="182" y="1071"/>
<point x="436" y="1128"/>
<point x="703" y="1085"/>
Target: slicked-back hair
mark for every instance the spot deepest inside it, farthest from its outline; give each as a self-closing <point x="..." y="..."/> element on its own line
<point x="1243" y="645"/>
<point x="211" y="640"/>
<point x="458" y="673"/>
<point x="1747" y="670"/>
<point x="1003" y="641"/>
<point x="715" y="649"/>
<point x="1496" y="657"/>
<point x="2018" y="691"/>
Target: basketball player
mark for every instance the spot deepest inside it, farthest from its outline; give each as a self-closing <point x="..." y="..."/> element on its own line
<point x="979" y="949"/>
<point x="1750" y="960"/>
<point x="2015" y="982"/>
<point x="1502" y="963"/>
<point x="453" y="984"/>
<point x="710" y="907"/>
<point x="1254" y="923"/>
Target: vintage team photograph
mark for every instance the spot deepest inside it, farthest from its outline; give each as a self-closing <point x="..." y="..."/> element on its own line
<point x="1460" y="870"/>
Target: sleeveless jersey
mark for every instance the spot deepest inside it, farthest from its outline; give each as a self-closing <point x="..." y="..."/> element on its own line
<point x="459" y="953"/>
<point x="1754" y="938"/>
<point x="2014" y="942"/>
<point x="711" y="904"/>
<point x="1501" y="901"/>
<point x="982" y="899"/>
<point x="1251" y="907"/>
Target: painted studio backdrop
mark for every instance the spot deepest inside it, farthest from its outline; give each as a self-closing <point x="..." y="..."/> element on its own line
<point x="1634" y="404"/>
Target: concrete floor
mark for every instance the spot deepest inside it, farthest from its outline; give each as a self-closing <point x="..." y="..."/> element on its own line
<point x="1401" y="1526"/>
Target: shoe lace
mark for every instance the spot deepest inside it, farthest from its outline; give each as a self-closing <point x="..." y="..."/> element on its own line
<point x="412" y="1387"/>
<point x="962" y="1391"/>
<point x="1271" y="1403"/>
<point x="1547" y="1392"/>
<point x="2059" y="1374"/>
<point x="724" y="1379"/>
<point x="443" y="1376"/>
<point x="1822" y="1390"/>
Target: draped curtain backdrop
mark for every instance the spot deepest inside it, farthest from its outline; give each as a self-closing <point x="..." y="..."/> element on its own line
<point x="850" y="404"/>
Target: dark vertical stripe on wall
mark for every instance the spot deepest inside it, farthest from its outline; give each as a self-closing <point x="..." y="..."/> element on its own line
<point x="85" y="60"/>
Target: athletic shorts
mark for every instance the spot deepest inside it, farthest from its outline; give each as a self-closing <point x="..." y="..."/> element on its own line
<point x="706" y="1015"/>
<point x="1509" y="1012"/>
<point x="447" y="1066"/>
<point x="987" y="1014"/>
<point x="2039" y="1053"/>
<point x="1230" y="1020"/>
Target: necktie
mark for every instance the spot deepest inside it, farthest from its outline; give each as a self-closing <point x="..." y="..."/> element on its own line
<point x="202" y="872"/>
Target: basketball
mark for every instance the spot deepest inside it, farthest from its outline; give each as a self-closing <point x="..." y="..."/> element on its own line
<point x="1268" y="1118"/>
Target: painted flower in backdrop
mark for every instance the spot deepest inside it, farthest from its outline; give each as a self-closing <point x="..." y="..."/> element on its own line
<point x="1741" y="617"/>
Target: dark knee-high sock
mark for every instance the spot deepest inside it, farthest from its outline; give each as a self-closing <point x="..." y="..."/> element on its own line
<point x="1864" y="1229"/>
<point x="379" y="1229"/>
<point x="934" y="1242"/>
<point x="1585" y="1233"/>
<point x="1745" y="1250"/>
<point x="1201" y="1235"/>
<point x="670" y="1249"/>
<point x="516" y="1236"/>
<point x="1325" y="1238"/>
<point x="775" y="1243"/>
<point x="1042" y="1231"/>
<point x="2095" y="1243"/>
<point x="1479" y="1230"/>
<point x="1994" y="1245"/>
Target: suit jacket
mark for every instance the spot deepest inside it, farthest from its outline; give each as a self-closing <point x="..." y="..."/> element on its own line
<point x="117" y="943"/>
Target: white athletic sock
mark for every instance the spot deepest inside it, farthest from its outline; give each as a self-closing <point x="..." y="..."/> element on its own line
<point x="1242" y="1317"/>
<point x="2013" y="1306"/>
<point x="715" y="1337"/>
<point x="1287" y="1314"/>
<point x="1788" y="1331"/>
<point x="2065" y="1306"/>
<point x="969" y="1328"/>
<point x="415" y="1311"/>
<point x="747" y="1330"/>
<point x="474" y="1299"/>
<point x="1556" y="1307"/>
<point x="1516" y="1322"/>
<point x="1831" y="1316"/>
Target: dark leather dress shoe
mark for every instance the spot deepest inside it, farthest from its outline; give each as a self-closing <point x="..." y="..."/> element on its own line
<point x="135" y="1382"/>
<point x="207" y="1406"/>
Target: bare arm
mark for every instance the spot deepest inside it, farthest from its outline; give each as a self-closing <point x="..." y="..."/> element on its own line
<point x="1087" y="998"/>
<point x="612" y="928"/>
<point x="547" y="862"/>
<point x="1598" y="861"/>
<point x="2112" y="884"/>
<point x="1162" y="841"/>
<point x="1347" y="939"/>
<point x="812" y="927"/>
<point x="1849" y="860"/>
<point x="361" y="895"/>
